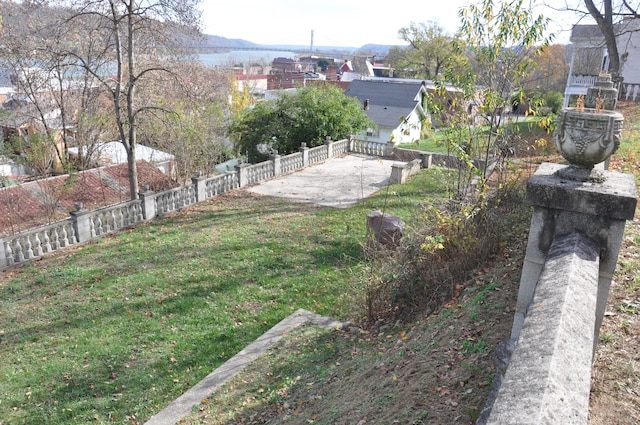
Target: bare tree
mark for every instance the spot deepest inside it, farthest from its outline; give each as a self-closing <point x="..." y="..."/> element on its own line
<point x="194" y="129"/>
<point x="120" y="43"/>
<point x="609" y="16"/>
<point x="43" y="77"/>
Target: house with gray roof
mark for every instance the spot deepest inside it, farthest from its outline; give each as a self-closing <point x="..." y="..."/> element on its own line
<point x="395" y="105"/>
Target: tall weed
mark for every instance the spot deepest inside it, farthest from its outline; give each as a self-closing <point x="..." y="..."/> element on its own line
<point x="429" y="266"/>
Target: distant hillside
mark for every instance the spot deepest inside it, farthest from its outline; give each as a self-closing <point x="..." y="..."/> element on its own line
<point x="215" y="40"/>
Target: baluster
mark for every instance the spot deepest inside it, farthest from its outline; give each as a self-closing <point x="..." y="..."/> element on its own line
<point x="92" y="227"/>
<point x="118" y="218"/>
<point x="180" y="198"/>
<point x="126" y="214"/>
<point x="64" y="238"/>
<point x="27" y="248"/>
<point x="99" y="228"/>
<point x="56" y="240"/>
<point x="18" y="251"/>
<point x="71" y="235"/>
<point x="164" y="202"/>
<point x="46" y="243"/>
<point x="37" y="245"/>
<point x="9" y="253"/>
<point x="112" y="220"/>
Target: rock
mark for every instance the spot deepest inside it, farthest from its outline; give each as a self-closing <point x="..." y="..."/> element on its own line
<point x="385" y="229"/>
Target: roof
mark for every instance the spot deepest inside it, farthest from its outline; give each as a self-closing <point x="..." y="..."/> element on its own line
<point x="43" y="201"/>
<point x="388" y="116"/>
<point x="244" y="77"/>
<point x="115" y="153"/>
<point x="388" y="100"/>
<point x="592" y="33"/>
<point x="585" y="32"/>
<point x="285" y="60"/>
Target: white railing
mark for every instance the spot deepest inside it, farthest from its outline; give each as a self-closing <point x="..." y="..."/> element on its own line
<point x="259" y="172"/>
<point x="114" y="217"/>
<point x="34" y="243"/>
<point x="585" y="81"/>
<point x="222" y="183"/>
<point x="340" y="147"/>
<point x="85" y="225"/>
<point x="630" y="91"/>
<point x="175" y="199"/>
<point x="318" y="154"/>
<point x="369" y="148"/>
<point x="291" y="162"/>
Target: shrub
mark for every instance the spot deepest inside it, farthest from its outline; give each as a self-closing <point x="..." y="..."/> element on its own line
<point x="554" y="100"/>
<point x="430" y="265"/>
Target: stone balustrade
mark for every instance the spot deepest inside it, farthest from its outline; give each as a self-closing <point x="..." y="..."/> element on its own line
<point x="318" y="154"/>
<point x="630" y="91"/>
<point x="574" y="239"/>
<point x="84" y="225"/>
<point x="35" y="243"/>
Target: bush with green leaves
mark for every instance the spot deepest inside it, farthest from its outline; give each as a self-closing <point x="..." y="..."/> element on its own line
<point x="554" y="100"/>
<point x="309" y="115"/>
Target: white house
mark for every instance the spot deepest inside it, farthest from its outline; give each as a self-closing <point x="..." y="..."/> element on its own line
<point x="113" y="153"/>
<point x="395" y="105"/>
<point x="590" y="58"/>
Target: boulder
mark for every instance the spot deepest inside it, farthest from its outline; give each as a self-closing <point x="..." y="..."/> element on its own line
<point x="386" y="229"/>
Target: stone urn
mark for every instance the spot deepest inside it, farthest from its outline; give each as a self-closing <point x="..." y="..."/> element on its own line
<point x="587" y="136"/>
<point x="591" y="132"/>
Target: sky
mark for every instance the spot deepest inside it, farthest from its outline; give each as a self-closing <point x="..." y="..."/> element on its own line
<point x="350" y="23"/>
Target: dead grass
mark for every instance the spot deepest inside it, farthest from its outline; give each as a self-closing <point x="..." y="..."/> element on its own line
<point x="615" y="382"/>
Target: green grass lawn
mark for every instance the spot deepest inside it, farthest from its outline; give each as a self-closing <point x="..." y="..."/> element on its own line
<point x="436" y="142"/>
<point x="111" y="332"/>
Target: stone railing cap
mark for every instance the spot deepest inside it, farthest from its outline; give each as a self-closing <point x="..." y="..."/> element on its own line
<point x="615" y="198"/>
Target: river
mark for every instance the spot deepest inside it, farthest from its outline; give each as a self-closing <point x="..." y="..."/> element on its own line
<point x="245" y="57"/>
